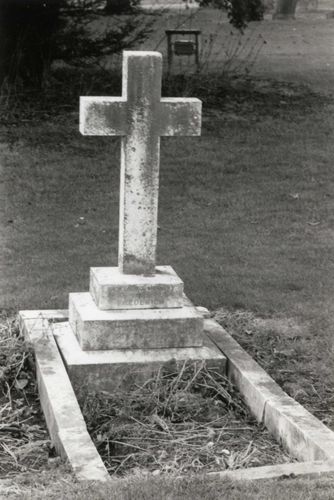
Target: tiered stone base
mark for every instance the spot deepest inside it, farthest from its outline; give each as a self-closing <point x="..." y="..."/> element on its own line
<point x="110" y="370"/>
<point x="112" y="289"/>
<point x="127" y="311"/>
<point x="130" y="327"/>
<point x="97" y="329"/>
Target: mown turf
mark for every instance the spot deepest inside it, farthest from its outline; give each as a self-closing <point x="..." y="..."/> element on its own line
<point x="245" y="211"/>
<point x="192" y="488"/>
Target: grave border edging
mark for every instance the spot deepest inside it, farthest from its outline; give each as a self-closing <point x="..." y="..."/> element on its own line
<point x="75" y="444"/>
<point x="61" y="410"/>
<point x="288" y="470"/>
<point x="304" y="436"/>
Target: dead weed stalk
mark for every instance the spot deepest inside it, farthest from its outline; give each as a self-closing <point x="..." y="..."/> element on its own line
<point x="24" y="441"/>
<point x="183" y="420"/>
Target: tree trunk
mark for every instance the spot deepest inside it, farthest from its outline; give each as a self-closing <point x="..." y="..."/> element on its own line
<point x="285" y="9"/>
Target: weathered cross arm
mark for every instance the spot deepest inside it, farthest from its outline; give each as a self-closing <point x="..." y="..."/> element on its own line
<point x="109" y="116"/>
<point x="103" y="116"/>
<point x="181" y="116"/>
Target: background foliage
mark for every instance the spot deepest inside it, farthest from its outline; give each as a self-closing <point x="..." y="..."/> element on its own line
<point x="34" y="33"/>
<point x="240" y="12"/>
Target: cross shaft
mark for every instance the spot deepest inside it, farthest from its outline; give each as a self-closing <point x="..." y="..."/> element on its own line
<point x="140" y="116"/>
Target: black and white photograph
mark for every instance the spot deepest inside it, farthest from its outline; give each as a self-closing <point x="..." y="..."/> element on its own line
<point x="167" y="249"/>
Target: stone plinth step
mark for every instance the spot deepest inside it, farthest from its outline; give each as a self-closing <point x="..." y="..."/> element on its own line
<point x="112" y="289"/>
<point x="120" y="368"/>
<point x="96" y="329"/>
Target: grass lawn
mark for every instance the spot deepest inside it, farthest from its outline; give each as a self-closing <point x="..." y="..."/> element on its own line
<point x="246" y="218"/>
<point x="55" y="485"/>
<point x="245" y="211"/>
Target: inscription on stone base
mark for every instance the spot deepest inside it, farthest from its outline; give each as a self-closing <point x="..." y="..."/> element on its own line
<point x="112" y="289"/>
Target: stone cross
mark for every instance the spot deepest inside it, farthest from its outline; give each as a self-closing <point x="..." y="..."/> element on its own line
<point x="140" y="116"/>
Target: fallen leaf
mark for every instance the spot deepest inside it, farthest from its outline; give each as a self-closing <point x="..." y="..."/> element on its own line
<point x="21" y="383"/>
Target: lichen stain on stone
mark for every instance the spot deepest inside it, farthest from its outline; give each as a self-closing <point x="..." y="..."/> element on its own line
<point x="103" y="117"/>
<point x="47" y="370"/>
<point x="45" y="351"/>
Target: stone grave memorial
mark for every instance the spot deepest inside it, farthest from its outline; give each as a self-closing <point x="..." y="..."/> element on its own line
<point x="135" y="320"/>
<point x="135" y="317"/>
